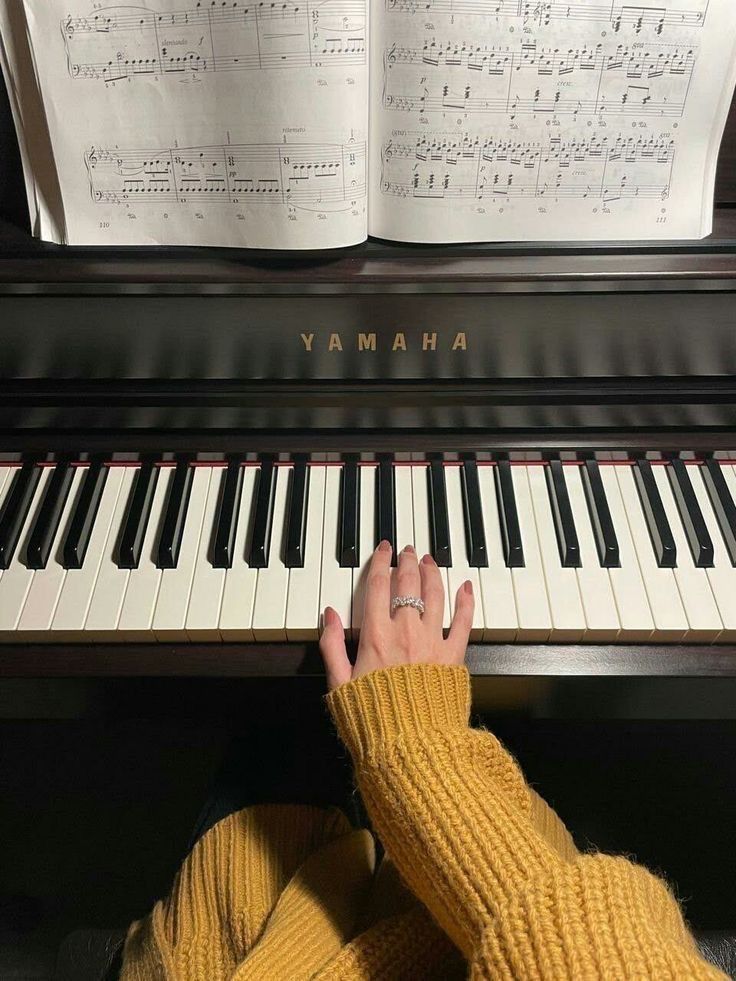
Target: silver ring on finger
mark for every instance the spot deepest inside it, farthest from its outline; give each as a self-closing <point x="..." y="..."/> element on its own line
<point x="416" y="602"/>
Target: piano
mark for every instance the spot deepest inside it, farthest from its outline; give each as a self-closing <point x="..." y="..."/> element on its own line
<point x="200" y="449"/>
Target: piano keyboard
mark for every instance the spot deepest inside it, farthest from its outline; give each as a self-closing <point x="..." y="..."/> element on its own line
<point x="562" y="551"/>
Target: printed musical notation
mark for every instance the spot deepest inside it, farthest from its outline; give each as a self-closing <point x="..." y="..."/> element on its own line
<point x="116" y="43"/>
<point x="637" y="17"/>
<point x="651" y="80"/>
<point x="438" y="168"/>
<point x="328" y="176"/>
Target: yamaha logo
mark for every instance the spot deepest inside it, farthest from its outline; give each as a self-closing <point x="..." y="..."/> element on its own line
<point x="369" y="341"/>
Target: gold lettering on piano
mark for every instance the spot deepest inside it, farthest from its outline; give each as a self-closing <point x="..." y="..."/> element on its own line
<point x="307" y="338"/>
<point x="335" y="343"/>
<point x="399" y="341"/>
<point x="460" y="343"/>
<point x="373" y="340"/>
<point x="367" y="342"/>
<point x="429" y="341"/>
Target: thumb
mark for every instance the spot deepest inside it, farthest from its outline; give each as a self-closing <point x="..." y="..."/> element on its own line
<point x="332" y="647"/>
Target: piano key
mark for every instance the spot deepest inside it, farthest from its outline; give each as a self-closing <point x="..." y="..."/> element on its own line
<point x="670" y="621"/>
<point x="660" y="532"/>
<point x="475" y="536"/>
<point x="260" y="545"/>
<point x="6" y="479"/>
<point x="386" y="505"/>
<point x="564" y="526"/>
<point x="303" y="601"/>
<point x="205" y="595"/>
<point x="176" y="514"/>
<point x="45" y="589"/>
<point x="348" y="544"/>
<point x="600" y="516"/>
<point x="632" y="603"/>
<point x="696" y="532"/>
<point x="722" y="574"/>
<point x="227" y="515"/>
<point x="404" y="507"/>
<point x="112" y="581"/>
<point x="500" y="622"/>
<point x="236" y="610"/>
<point x="272" y="587"/>
<point x="563" y="592"/>
<point x="336" y="585"/>
<point x="135" y="622"/>
<point x="169" y="618"/>
<point x="15" y="509"/>
<point x="532" y="606"/>
<point x="43" y="533"/>
<point x="423" y="530"/>
<point x="138" y="513"/>
<point x="722" y="503"/>
<point x="599" y="606"/>
<point x="17" y="576"/>
<point x="76" y="593"/>
<point x="85" y="513"/>
<point x="367" y="536"/>
<point x="438" y="517"/>
<point x="511" y="537"/>
<point x="296" y="521"/>
<point x="692" y="581"/>
<point x="460" y="570"/>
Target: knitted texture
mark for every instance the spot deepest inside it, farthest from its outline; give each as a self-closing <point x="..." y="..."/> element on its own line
<point x="481" y="878"/>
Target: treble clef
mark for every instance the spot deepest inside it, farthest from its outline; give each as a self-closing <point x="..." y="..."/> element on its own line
<point x="69" y="26"/>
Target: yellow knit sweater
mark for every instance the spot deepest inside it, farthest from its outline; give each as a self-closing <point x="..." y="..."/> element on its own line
<point x="496" y="888"/>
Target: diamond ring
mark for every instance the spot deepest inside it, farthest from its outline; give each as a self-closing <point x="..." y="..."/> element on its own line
<point x="414" y="601"/>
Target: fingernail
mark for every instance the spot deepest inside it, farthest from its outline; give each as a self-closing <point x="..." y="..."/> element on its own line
<point x="468" y="587"/>
<point x="384" y="546"/>
<point x="409" y="549"/>
<point x="428" y="560"/>
<point x="328" y="617"/>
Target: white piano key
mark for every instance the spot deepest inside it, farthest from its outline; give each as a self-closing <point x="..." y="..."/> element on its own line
<point x="367" y="543"/>
<point x="460" y="570"/>
<point x="169" y="618"/>
<point x="302" y="605"/>
<point x="722" y="577"/>
<point x="45" y="590"/>
<point x="404" y="507"/>
<point x="500" y="622"/>
<point x="599" y="606"/>
<point x="670" y="622"/>
<point x="422" y="532"/>
<point x="634" y="613"/>
<point x="135" y="623"/>
<point x="336" y="587"/>
<point x="17" y="578"/>
<point x="109" y="589"/>
<point x="76" y="594"/>
<point x="272" y="586"/>
<point x="692" y="583"/>
<point x="532" y="605"/>
<point x="563" y="592"/>
<point x="205" y="597"/>
<point x="238" y="594"/>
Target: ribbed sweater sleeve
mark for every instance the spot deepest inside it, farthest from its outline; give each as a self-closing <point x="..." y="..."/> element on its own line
<point x="457" y="818"/>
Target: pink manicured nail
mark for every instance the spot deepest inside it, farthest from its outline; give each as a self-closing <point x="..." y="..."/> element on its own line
<point x="328" y="618"/>
<point x="409" y="549"/>
<point x="428" y="560"/>
<point x="384" y="546"/>
<point x="468" y="587"/>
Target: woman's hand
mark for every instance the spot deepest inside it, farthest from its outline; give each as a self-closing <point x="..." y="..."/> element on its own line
<point x="403" y="637"/>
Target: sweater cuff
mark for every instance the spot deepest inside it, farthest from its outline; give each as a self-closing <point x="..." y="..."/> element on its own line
<point x="371" y="712"/>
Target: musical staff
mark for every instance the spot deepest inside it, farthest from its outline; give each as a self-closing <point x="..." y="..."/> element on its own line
<point x="471" y="78"/>
<point x="328" y="176"/>
<point x="637" y="17"/>
<point x="115" y="43"/>
<point x="607" y="169"/>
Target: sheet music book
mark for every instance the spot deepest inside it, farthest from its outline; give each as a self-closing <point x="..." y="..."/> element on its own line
<point x="311" y="124"/>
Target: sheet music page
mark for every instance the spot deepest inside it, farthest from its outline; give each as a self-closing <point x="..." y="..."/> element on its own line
<point x="547" y="119"/>
<point x="206" y="122"/>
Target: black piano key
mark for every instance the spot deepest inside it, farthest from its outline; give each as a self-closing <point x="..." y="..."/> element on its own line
<point x="513" y="547"/>
<point x="559" y="499"/>
<point x="438" y="517"/>
<point x="85" y="512"/>
<point x="296" y="514"/>
<point x="722" y="504"/>
<point x="475" y="533"/>
<point x="696" y="531"/>
<point x="172" y="528"/>
<point x="260" y="543"/>
<point x="349" y="544"/>
<point x="600" y="516"/>
<point x="46" y="525"/>
<point x="15" y="509"/>
<point x="386" y="505"/>
<point x="130" y="543"/>
<point x="665" y="550"/>
<point x="226" y="524"/>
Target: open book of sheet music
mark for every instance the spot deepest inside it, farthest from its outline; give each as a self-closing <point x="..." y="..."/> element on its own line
<point x="308" y="124"/>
